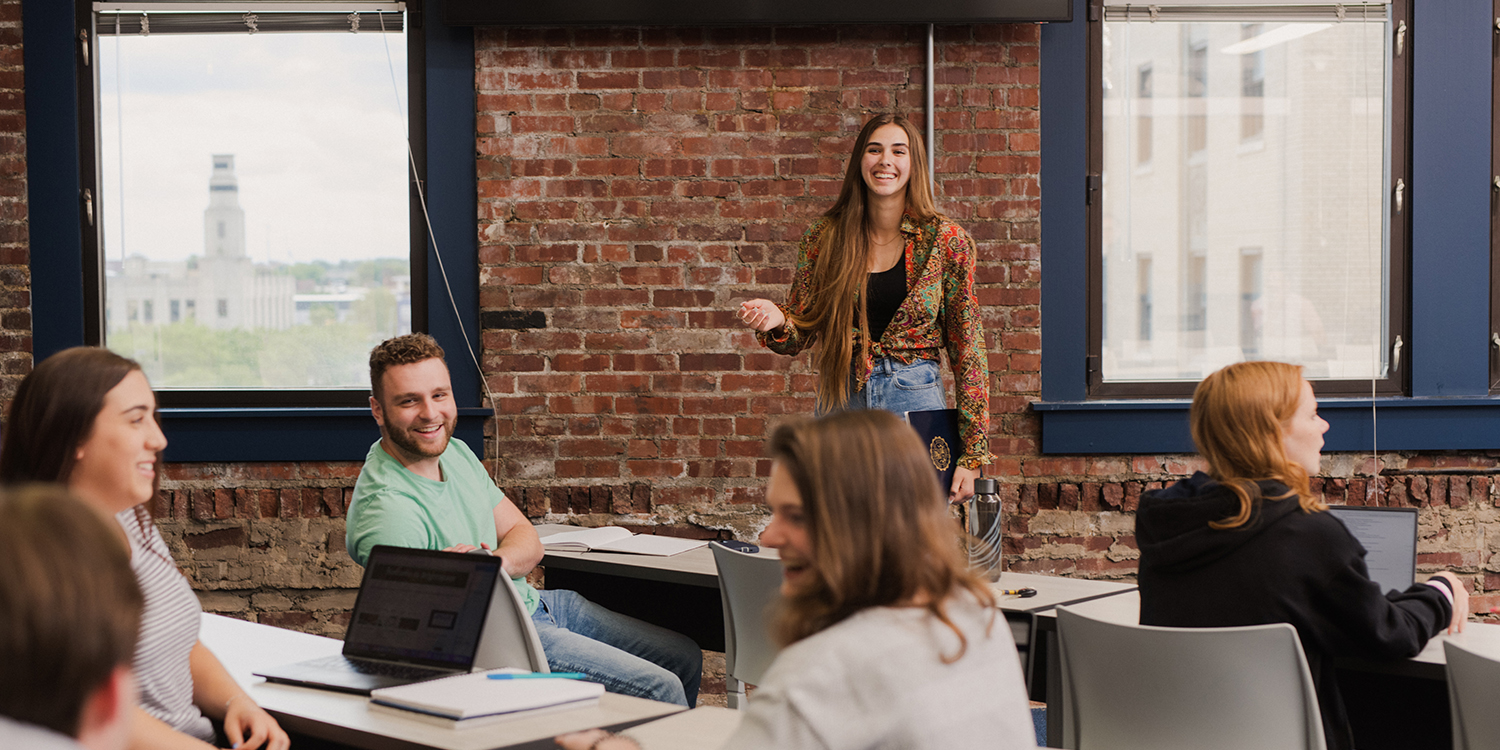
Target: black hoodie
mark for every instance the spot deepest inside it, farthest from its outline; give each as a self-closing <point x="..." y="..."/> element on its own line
<point x="1283" y="565"/>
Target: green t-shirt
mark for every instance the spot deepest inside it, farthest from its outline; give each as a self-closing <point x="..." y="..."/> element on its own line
<point x="394" y="506"/>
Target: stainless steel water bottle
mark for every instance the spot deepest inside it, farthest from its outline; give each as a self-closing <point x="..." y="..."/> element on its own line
<point x="985" y="528"/>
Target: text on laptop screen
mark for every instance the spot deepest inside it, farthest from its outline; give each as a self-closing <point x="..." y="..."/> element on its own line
<point x="1389" y="537"/>
<point x="422" y="607"/>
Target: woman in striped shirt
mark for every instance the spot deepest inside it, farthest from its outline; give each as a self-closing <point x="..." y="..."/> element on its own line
<point x="86" y="417"/>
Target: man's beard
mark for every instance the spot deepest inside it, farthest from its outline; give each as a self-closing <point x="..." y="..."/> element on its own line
<point x="403" y="440"/>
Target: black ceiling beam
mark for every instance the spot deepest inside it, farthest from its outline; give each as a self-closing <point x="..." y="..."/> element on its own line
<point x="749" y="12"/>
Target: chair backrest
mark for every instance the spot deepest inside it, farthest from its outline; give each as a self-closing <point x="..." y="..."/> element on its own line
<point x="509" y="637"/>
<point x="750" y="584"/>
<point x="1128" y="687"/>
<point x="1473" y="683"/>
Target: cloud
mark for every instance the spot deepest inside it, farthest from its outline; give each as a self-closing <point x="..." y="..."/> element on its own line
<point x="312" y="120"/>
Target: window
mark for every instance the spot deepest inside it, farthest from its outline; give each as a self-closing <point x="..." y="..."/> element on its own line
<point x="1143" y="299"/>
<point x="1252" y="84"/>
<point x="1196" y="82"/>
<point x="1143" y="115"/>
<point x="290" y="149"/>
<point x="1437" y="393"/>
<point x="1250" y="308"/>
<point x="1196" y="301"/>
<point x="238" y="425"/>
<point x="1286" y="248"/>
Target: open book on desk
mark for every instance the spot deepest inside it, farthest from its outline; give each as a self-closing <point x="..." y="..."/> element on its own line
<point x="616" y="539"/>
<point x="470" y="700"/>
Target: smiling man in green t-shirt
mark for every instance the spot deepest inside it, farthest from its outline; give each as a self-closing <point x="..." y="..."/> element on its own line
<point x="419" y="488"/>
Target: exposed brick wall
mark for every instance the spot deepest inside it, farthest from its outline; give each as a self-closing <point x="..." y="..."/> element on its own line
<point x="1075" y="516"/>
<point x="637" y="184"/>
<point x="264" y="541"/>
<point x="15" y="271"/>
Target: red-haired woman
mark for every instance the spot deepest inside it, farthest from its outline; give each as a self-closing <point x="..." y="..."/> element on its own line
<point x="884" y="283"/>
<point x="1247" y="543"/>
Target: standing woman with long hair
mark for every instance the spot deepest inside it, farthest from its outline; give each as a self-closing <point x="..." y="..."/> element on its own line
<point x="884" y="283"/>
<point x="888" y="639"/>
<point x="86" y="418"/>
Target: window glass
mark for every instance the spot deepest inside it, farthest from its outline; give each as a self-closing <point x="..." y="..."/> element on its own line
<point x="1259" y="229"/>
<point x="254" y="195"/>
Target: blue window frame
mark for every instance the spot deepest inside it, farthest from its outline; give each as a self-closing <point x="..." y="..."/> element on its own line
<point x="287" y="433"/>
<point x="1448" y="406"/>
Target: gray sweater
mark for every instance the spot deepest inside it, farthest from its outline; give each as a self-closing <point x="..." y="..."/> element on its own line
<point x="877" y="680"/>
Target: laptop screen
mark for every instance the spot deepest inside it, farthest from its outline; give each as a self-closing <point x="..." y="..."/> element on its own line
<point x="1389" y="536"/>
<point x="421" y="607"/>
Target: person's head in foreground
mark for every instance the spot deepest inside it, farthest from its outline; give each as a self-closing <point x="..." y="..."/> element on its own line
<point x="411" y="397"/>
<point x="69" y="612"/>
<point x="1255" y="421"/>
<point x="859" y="520"/>
<point x="86" y="417"/>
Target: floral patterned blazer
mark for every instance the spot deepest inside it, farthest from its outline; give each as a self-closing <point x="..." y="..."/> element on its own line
<point x="939" y="312"/>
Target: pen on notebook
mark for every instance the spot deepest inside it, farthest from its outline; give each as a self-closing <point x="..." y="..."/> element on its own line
<point x="1023" y="593"/>
<point x="539" y="675"/>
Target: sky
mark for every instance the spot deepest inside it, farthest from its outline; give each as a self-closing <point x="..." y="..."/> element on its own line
<point x="315" y="124"/>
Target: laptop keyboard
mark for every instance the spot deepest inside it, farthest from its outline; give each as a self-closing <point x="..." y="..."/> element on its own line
<point x="379" y="668"/>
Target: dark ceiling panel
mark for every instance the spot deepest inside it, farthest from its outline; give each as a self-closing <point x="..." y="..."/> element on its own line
<point x="748" y="12"/>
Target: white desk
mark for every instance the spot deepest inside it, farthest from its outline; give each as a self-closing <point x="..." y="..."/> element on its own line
<point x="1431" y="663"/>
<point x="692" y="568"/>
<point x="1054" y="591"/>
<point x="701" y="728"/>
<point x="1398" y="723"/>
<point x="681" y="593"/>
<point x="244" y="647"/>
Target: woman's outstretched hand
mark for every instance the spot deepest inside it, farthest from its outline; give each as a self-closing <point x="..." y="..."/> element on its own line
<point x="761" y="314"/>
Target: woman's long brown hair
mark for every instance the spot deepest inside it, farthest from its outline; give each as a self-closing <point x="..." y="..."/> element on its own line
<point x="1237" y="419"/>
<point x="877" y="520"/>
<point x="841" y="271"/>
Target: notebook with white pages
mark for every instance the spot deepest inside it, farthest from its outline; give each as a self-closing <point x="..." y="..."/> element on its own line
<point x="474" y="699"/>
<point x="617" y="539"/>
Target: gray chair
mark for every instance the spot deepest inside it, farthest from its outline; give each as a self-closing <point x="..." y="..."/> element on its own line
<point x="748" y="585"/>
<point x="1137" y="687"/>
<point x="1473" y="683"/>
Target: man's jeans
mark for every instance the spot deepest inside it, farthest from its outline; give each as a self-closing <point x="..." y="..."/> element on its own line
<point x="626" y="655"/>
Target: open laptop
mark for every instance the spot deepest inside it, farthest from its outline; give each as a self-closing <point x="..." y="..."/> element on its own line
<point x="420" y="615"/>
<point x="1389" y="536"/>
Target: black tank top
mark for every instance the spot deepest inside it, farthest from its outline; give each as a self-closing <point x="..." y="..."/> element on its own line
<point x="887" y="290"/>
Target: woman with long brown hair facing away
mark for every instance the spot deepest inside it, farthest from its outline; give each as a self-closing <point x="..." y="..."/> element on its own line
<point x="888" y="639"/>
<point x="884" y="283"/>
<point x="86" y="418"/>
<point x="1248" y="543"/>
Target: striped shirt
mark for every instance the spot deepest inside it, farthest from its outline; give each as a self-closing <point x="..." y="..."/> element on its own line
<point x="169" y="629"/>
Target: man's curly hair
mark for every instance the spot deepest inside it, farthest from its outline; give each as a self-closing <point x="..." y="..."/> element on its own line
<point x="402" y="350"/>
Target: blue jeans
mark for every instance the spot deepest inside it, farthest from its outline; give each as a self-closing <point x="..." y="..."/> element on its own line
<point x="899" y="388"/>
<point x="624" y="654"/>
